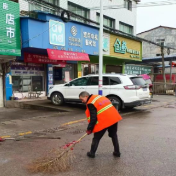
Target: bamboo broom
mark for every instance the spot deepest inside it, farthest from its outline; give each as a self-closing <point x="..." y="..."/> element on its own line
<point x="58" y="160"/>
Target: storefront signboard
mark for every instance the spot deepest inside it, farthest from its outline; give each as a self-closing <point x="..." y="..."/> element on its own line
<point x="67" y="55"/>
<point x="56" y="33"/>
<point x="10" y="42"/>
<point x="125" y="48"/>
<point x="42" y="59"/>
<point x="27" y="69"/>
<point x="137" y="69"/>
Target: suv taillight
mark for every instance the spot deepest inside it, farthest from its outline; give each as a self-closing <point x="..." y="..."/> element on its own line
<point x="132" y="87"/>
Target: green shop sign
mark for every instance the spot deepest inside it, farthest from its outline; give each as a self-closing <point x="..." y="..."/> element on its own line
<point x="137" y="70"/>
<point x="121" y="47"/>
<point x="10" y="28"/>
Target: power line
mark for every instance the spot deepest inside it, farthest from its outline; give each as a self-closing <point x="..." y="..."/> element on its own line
<point x="150" y="4"/>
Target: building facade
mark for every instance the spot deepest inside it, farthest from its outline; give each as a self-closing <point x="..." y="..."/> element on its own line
<point x="162" y="35"/>
<point x="120" y="14"/>
<point x="55" y="52"/>
<point x="10" y="45"/>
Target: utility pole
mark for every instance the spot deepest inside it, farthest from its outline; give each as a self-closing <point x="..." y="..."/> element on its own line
<point x="163" y="64"/>
<point x="100" y="88"/>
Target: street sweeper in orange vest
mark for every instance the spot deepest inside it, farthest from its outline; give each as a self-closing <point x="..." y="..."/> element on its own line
<point x="101" y="116"/>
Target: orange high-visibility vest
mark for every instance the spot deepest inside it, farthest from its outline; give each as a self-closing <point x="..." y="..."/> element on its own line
<point x="107" y="114"/>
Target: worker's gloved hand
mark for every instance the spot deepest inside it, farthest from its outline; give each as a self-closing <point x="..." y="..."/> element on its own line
<point x="88" y="132"/>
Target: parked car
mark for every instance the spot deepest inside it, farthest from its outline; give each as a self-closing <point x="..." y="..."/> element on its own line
<point x="127" y="90"/>
<point x="147" y="79"/>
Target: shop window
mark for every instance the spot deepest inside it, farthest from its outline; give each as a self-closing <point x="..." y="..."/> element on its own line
<point x="27" y="77"/>
<point x="114" y="81"/>
<point x="89" y="69"/>
<point x="125" y="28"/>
<point x="27" y="83"/>
<point x="79" y="10"/>
<point x="79" y="82"/>
<point x="107" y="21"/>
<point x="128" y="4"/>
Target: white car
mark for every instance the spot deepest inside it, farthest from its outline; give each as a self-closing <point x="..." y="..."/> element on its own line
<point x="127" y="90"/>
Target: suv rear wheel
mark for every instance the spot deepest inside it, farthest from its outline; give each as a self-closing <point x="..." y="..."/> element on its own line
<point x="57" y="98"/>
<point x="117" y="100"/>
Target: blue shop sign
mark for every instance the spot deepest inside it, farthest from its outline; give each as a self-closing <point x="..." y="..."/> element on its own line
<point x="53" y="33"/>
<point x="56" y="33"/>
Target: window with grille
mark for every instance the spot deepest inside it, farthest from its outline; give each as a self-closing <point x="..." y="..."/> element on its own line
<point x="79" y="10"/>
<point x="126" y="28"/>
<point x="43" y="7"/>
<point x="128" y="4"/>
<point x="160" y="41"/>
<point x="107" y="21"/>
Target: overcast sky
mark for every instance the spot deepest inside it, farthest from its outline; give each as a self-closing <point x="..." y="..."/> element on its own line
<point x="150" y="17"/>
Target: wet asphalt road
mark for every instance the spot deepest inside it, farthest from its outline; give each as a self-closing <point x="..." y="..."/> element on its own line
<point x="147" y="140"/>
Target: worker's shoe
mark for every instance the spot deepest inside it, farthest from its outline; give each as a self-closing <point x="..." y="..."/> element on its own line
<point x="94" y="147"/>
<point x="91" y="155"/>
<point x="115" y="142"/>
<point x="116" y="154"/>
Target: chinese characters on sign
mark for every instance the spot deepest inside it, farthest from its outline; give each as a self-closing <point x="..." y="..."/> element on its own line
<point x="137" y="70"/>
<point x="121" y="47"/>
<point x="74" y="41"/>
<point x="67" y="55"/>
<point x="42" y="59"/>
<point x="10" y="28"/>
<point x="90" y="39"/>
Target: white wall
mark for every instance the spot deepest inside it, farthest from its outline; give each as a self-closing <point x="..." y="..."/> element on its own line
<point x="1" y="89"/>
<point x="24" y="5"/>
<point x="122" y="14"/>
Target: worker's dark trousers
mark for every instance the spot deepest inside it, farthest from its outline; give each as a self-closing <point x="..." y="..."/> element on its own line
<point x="112" y="130"/>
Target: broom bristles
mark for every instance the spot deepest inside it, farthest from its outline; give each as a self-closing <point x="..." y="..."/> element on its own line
<point x="58" y="161"/>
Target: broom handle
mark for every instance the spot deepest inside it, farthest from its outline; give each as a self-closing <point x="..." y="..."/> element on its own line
<point x="81" y="138"/>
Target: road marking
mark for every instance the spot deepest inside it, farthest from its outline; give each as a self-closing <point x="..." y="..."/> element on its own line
<point x="22" y="134"/>
<point x="5" y="136"/>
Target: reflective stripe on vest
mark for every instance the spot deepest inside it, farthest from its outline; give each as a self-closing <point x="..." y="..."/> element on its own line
<point x="102" y="110"/>
<point x="95" y="99"/>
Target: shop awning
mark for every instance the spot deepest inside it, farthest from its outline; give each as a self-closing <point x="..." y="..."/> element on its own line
<point x="67" y="55"/>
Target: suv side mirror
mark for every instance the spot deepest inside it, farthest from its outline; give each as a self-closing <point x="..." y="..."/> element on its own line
<point x="68" y="85"/>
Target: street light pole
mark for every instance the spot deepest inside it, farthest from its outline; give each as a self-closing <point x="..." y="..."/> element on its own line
<point x="100" y="89"/>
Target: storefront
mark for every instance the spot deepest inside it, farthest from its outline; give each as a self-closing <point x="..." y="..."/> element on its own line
<point x="50" y="52"/>
<point x="117" y="51"/>
<point x="10" y="45"/>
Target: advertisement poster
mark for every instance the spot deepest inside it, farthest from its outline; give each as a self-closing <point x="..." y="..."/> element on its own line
<point x="67" y="76"/>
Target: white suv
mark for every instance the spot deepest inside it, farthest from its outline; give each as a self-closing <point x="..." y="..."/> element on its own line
<point x="127" y="90"/>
